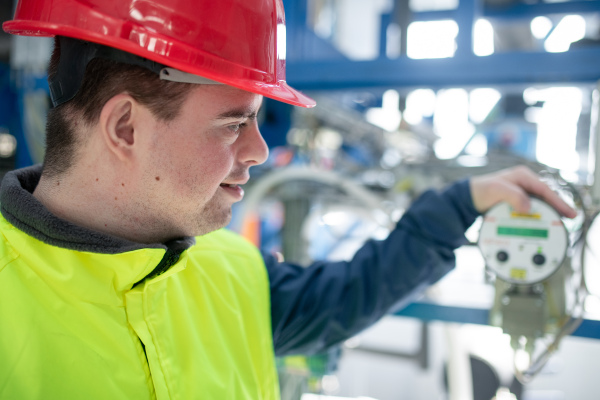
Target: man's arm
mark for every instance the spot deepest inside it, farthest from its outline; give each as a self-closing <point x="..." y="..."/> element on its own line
<point x="328" y="302"/>
<point x="315" y="307"/>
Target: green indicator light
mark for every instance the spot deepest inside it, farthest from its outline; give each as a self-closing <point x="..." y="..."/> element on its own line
<point x="524" y="232"/>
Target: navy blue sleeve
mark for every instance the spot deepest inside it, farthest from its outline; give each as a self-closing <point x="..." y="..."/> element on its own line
<point x="315" y="307"/>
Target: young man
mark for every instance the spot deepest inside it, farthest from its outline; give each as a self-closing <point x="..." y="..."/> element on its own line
<point x="116" y="279"/>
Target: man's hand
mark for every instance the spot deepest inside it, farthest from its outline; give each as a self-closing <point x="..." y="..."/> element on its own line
<point x="513" y="186"/>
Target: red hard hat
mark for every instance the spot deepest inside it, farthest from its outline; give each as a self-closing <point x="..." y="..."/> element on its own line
<point x="240" y="43"/>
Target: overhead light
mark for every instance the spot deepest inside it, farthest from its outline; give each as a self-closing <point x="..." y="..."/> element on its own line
<point x="483" y="38"/>
<point x="540" y="27"/>
<point x="431" y="39"/>
<point x="570" y="29"/>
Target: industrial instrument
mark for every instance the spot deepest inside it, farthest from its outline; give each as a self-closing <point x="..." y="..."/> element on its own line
<point x="530" y="254"/>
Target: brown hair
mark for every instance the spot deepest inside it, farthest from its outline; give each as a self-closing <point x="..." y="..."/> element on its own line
<point x="103" y="79"/>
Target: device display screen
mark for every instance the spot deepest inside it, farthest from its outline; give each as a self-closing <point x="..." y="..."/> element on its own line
<point x="524" y="232"/>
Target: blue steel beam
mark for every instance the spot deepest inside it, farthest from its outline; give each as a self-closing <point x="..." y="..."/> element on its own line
<point x="436" y="312"/>
<point x="386" y="20"/>
<point x="468" y="12"/>
<point x="516" y="11"/>
<point x="522" y="10"/>
<point x="589" y="328"/>
<point x="578" y="66"/>
<point x="296" y="25"/>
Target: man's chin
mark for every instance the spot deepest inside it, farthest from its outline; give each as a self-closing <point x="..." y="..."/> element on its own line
<point x="211" y="226"/>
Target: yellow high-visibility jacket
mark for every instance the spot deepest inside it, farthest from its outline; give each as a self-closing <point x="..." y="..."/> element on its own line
<point x="74" y="326"/>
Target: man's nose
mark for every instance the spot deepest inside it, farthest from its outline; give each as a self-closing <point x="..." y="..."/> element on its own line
<point x="254" y="149"/>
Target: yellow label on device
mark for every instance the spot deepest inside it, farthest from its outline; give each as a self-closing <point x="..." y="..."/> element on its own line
<point x="531" y="216"/>
<point x="517" y="273"/>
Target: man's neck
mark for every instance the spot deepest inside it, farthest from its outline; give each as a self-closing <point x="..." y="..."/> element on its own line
<point x="89" y="200"/>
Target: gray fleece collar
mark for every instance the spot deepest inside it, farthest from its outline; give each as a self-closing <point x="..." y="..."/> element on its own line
<point x="25" y="212"/>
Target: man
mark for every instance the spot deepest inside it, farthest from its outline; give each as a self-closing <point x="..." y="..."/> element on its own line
<point x="104" y="291"/>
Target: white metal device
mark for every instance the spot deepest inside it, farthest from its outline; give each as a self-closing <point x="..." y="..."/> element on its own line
<point x="523" y="248"/>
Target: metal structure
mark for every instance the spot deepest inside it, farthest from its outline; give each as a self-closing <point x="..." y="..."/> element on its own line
<point x="315" y="64"/>
<point x="427" y="311"/>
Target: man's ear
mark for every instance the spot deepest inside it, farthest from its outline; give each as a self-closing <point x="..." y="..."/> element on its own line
<point x="119" y="125"/>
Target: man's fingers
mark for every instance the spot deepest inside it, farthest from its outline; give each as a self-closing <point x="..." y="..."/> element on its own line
<point x="515" y="196"/>
<point x="514" y="186"/>
<point x="487" y="191"/>
<point x="531" y="183"/>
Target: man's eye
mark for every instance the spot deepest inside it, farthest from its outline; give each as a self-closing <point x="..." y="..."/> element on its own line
<point x="236" y="128"/>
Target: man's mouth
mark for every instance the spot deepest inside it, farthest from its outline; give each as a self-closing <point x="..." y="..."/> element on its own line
<point x="234" y="190"/>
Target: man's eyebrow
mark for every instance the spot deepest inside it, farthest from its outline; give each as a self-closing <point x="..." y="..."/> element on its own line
<point x="238" y="114"/>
